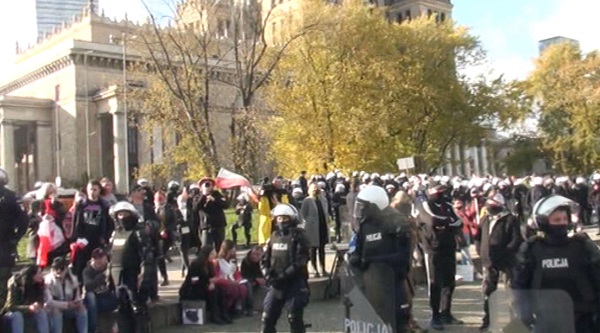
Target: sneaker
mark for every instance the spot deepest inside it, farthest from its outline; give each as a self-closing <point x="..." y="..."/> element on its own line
<point x="451" y="320"/>
<point x="164" y="283"/>
<point x="436" y="324"/>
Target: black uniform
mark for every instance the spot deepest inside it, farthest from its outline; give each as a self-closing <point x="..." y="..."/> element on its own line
<point x="285" y="263"/>
<point x="573" y="267"/>
<point x="383" y="255"/>
<point x="13" y="225"/>
<point x="439" y="227"/>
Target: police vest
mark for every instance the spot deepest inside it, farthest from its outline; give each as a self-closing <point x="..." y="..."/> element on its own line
<point x="377" y="243"/>
<point x="283" y="248"/>
<point x="562" y="268"/>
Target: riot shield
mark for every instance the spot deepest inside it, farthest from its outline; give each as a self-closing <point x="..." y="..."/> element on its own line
<point x="368" y="298"/>
<point x="516" y="311"/>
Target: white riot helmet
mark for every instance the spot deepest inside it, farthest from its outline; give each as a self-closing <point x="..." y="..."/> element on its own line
<point x="285" y="210"/>
<point x="370" y="200"/>
<point x="548" y="205"/>
<point x="375" y="195"/>
<point x="3" y="177"/>
<point x="128" y="221"/>
<point x="122" y="206"/>
<point x="580" y="180"/>
<point x="172" y="185"/>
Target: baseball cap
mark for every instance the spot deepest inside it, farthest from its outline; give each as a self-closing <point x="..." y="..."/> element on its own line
<point x="98" y="253"/>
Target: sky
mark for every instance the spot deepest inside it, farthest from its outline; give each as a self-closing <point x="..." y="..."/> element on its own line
<point x="508" y="29"/>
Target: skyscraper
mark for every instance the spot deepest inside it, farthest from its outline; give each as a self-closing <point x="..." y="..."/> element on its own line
<point x="51" y="13"/>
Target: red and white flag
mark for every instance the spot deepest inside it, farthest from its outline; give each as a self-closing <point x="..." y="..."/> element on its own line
<point x="227" y="179"/>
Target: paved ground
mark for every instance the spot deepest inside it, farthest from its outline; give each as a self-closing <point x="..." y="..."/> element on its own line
<point x="327" y="316"/>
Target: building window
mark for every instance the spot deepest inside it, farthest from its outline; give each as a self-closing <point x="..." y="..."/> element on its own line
<point x="407" y="15"/>
<point x="399" y="18"/>
<point x="443" y="17"/>
<point x="429" y="12"/>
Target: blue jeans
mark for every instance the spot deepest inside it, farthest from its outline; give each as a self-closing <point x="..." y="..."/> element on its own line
<point x="95" y="305"/>
<point x="56" y="319"/>
<point x="17" y="321"/>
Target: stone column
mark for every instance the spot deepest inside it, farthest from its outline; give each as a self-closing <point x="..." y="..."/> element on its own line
<point x="467" y="161"/>
<point x="457" y="160"/>
<point x="7" y="151"/>
<point x="475" y="156"/>
<point x="448" y="162"/>
<point x="44" y="151"/>
<point x="484" y="159"/>
<point x="120" y="152"/>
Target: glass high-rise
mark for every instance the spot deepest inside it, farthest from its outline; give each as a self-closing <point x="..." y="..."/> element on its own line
<point x="51" y="13"/>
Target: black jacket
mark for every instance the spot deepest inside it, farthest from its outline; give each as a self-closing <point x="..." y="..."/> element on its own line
<point x="214" y="210"/>
<point x="13" y="225"/>
<point x="499" y="248"/>
<point x="439" y="226"/>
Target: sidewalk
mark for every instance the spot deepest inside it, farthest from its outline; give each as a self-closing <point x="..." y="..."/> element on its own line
<point x="327" y="316"/>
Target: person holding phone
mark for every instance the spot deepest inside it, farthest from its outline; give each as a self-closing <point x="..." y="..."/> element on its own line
<point x="63" y="298"/>
<point x="211" y="205"/>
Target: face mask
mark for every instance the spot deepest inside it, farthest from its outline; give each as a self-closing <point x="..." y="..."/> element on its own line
<point x="557" y="233"/>
<point x="494" y="210"/>
<point x="284" y="226"/>
<point x="129" y="222"/>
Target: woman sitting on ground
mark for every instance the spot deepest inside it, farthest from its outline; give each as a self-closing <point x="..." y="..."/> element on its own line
<point x="199" y="285"/>
<point x="26" y="291"/>
<point x="231" y="282"/>
<point x="252" y="272"/>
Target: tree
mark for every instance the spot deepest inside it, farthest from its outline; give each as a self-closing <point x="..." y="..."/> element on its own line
<point x="361" y="92"/>
<point x="566" y="88"/>
<point x="215" y="50"/>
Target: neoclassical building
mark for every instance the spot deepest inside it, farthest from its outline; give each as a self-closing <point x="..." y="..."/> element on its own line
<point x="62" y="110"/>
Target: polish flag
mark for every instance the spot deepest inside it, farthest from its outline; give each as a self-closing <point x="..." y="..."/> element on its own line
<point x="227" y="179"/>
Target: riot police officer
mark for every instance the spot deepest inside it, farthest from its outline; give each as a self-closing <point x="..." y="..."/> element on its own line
<point x="13" y="225"/>
<point x="285" y="262"/>
<point x="383" y="255"/>
<point x="133" y="253"/>
<point x="552" y="260"/>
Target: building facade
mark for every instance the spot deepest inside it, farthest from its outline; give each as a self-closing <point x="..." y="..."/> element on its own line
<point x="63" y="111"/>
<point x="546" y="43"/>
<point x="50" y="14"/>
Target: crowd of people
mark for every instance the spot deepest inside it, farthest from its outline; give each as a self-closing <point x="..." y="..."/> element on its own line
<point x="75" y="271"/>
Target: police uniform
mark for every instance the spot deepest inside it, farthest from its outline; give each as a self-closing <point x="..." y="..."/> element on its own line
<point x="285" y="262"/>
<point x="551" y="262"/>
<point x="383" y="244"/>
<point x="13" y="225"/>
<point x="133" y="253"/>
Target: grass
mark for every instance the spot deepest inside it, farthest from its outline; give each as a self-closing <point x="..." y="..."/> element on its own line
<point x="229" y="215"/>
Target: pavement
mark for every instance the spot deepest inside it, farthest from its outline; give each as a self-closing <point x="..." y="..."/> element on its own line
<point x="327" y="316"/>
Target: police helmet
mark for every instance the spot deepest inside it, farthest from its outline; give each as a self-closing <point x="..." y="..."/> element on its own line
<point x="173" y="185"/>
<point x="375" y="195"/>
<point x="285" y="210"/>
<point x="122" y="206"/>
<point x="143" y="182"/>
<point x="3" y="177"/>
<point x="548" y="205"/>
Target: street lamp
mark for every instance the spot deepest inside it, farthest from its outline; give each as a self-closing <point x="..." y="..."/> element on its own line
<point x="87" y="116"/>
<point x="123" y="41"/>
